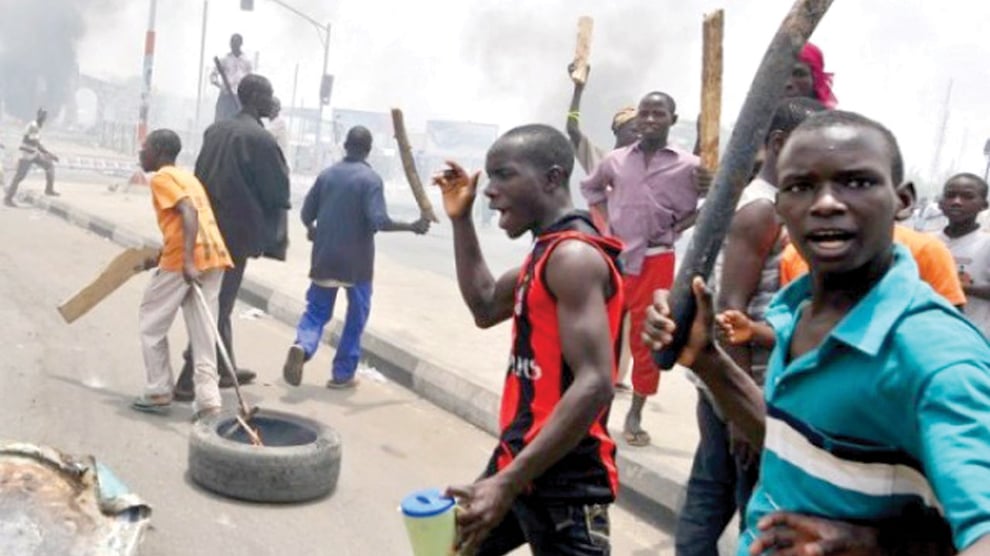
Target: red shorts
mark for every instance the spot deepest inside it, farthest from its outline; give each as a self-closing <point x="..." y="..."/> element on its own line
<point x="656" y="273"/>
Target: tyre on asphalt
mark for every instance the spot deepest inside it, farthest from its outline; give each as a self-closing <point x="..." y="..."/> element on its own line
<point x="300" y="459"/>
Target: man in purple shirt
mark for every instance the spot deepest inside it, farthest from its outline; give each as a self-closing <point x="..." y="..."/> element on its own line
<point x="648" y="195"/>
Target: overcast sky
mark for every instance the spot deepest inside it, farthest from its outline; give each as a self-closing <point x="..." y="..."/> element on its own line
<point x="503" y="61"/>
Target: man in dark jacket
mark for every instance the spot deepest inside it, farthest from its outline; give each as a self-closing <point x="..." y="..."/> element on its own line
<point x="343" y="211"/>
<point x="247" y="180"/>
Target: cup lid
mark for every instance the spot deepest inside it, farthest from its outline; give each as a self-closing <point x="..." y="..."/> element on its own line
<point x="426" y="503"/>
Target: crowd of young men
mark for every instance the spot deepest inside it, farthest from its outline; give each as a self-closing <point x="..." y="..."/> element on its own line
<point x="842" y="359"/>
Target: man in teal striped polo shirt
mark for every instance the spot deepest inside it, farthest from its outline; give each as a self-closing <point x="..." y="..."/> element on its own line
<point x="877" y="397"/>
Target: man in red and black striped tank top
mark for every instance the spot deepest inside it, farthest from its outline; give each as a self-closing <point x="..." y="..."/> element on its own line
<point x="553" y="475"/>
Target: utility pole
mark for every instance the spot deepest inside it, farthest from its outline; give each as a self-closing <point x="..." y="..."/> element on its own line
<point x="937" y="155"/>
<point x="319" y="112"/>
<point x="149" y="62"/>
<point x="295" y="115"/>
<point x="986" y="153"/>
<point x="324" y="33"/>
<point x="202" y="61"/>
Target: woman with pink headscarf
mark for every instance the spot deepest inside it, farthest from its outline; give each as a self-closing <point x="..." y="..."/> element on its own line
<point x="809" y="79"/>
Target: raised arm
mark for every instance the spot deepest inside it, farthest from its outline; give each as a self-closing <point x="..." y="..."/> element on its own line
<point x="489" y="300"/>
<point x="573" y="126"/>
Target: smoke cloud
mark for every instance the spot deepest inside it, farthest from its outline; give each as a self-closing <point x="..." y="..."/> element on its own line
<point x="524" y="55"/>
<point x="38" y="62"/>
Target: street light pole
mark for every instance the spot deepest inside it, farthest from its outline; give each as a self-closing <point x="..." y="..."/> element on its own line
<point x="202" y="58"/>
<point x="149" y="62"/>
<point x="319" y="112"/>
<point x="324" y="33"/>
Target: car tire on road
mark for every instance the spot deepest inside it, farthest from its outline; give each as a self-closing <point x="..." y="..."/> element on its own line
<point x="305" y="467"/>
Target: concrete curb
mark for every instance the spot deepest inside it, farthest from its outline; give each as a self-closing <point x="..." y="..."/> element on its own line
<point x="653" y="492"/>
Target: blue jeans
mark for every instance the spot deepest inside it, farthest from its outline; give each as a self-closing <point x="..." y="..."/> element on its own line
<point x="319" y="309"/>
<point x="718" y="486"/>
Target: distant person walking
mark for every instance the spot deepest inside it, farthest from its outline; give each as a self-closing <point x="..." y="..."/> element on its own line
<point x="342" y="212"/>
<point x="236" y="67"/>
<point x="247" y="181"/>
<point x="32" y="152"/>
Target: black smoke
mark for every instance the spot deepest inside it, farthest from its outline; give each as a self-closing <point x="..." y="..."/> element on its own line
<point x="38" y="62"/>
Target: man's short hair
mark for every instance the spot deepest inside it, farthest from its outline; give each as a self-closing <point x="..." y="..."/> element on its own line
<point x="251" y="85"/>
<point x="543" y="147"/>
<point x="165" y="142"/>
<point x="671" y="104"/>
<point x="359" y="138"/>
<point x="835" y="118"/>
<point x="984" y="189"/>
<point x="791" y="112"/>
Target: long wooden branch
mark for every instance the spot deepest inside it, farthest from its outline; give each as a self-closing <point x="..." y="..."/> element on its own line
<point x="711" y="88"/>
<point x="409" y="166"/>
<point x="733" y="173"/>
<point x="583" y="50"/>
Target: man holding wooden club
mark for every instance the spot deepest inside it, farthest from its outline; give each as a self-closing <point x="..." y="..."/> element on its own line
<point x="648" y="193"/>
<point x="342" y="212"/>
<point x="193" y="252"/>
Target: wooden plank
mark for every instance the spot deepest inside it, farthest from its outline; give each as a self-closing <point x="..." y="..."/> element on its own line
<point x="583" y="51"/>
<point x="119" y="271"/>
<point x="711" y="88"/>
<point x="733" y="173"/>
<point x="409" y="167"/>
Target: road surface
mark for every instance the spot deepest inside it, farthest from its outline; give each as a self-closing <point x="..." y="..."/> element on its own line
<point x="69" y="387"/>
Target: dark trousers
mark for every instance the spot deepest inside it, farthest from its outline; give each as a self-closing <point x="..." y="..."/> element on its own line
<point x="23" y="165"/>
<point x="227" y="107"/>
<point x="551" y="530"/>
<point x="718" y="486"/>
<point x="229" y="287"/>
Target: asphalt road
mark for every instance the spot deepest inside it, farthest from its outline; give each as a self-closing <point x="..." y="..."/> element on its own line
<point x="68" y="386"/>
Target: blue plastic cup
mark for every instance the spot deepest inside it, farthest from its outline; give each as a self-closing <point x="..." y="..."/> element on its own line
<point x="430" y="522"/>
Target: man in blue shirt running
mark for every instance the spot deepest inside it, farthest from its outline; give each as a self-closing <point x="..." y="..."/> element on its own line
<point x="342" y="213"/>
<point x="877" y="399"/>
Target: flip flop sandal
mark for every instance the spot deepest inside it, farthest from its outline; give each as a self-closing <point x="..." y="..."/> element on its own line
<point x="149" y="404"/>
<point x="637" y="439"/>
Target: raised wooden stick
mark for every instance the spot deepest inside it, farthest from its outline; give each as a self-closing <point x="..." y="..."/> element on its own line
<point x="409" y="167"/>
<point x="733" y="173"/>
<point x="583" y="51"/>
<point x="711" y="88"/>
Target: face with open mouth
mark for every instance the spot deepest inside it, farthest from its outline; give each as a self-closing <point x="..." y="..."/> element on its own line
<point x="513" y="188"/>
<point x="836" y="196"/>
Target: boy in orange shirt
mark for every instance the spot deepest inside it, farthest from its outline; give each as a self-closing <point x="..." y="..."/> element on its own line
<point x="193" y="252"/>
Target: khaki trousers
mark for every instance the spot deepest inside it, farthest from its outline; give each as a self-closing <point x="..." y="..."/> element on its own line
<point x="166" y="294"/>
